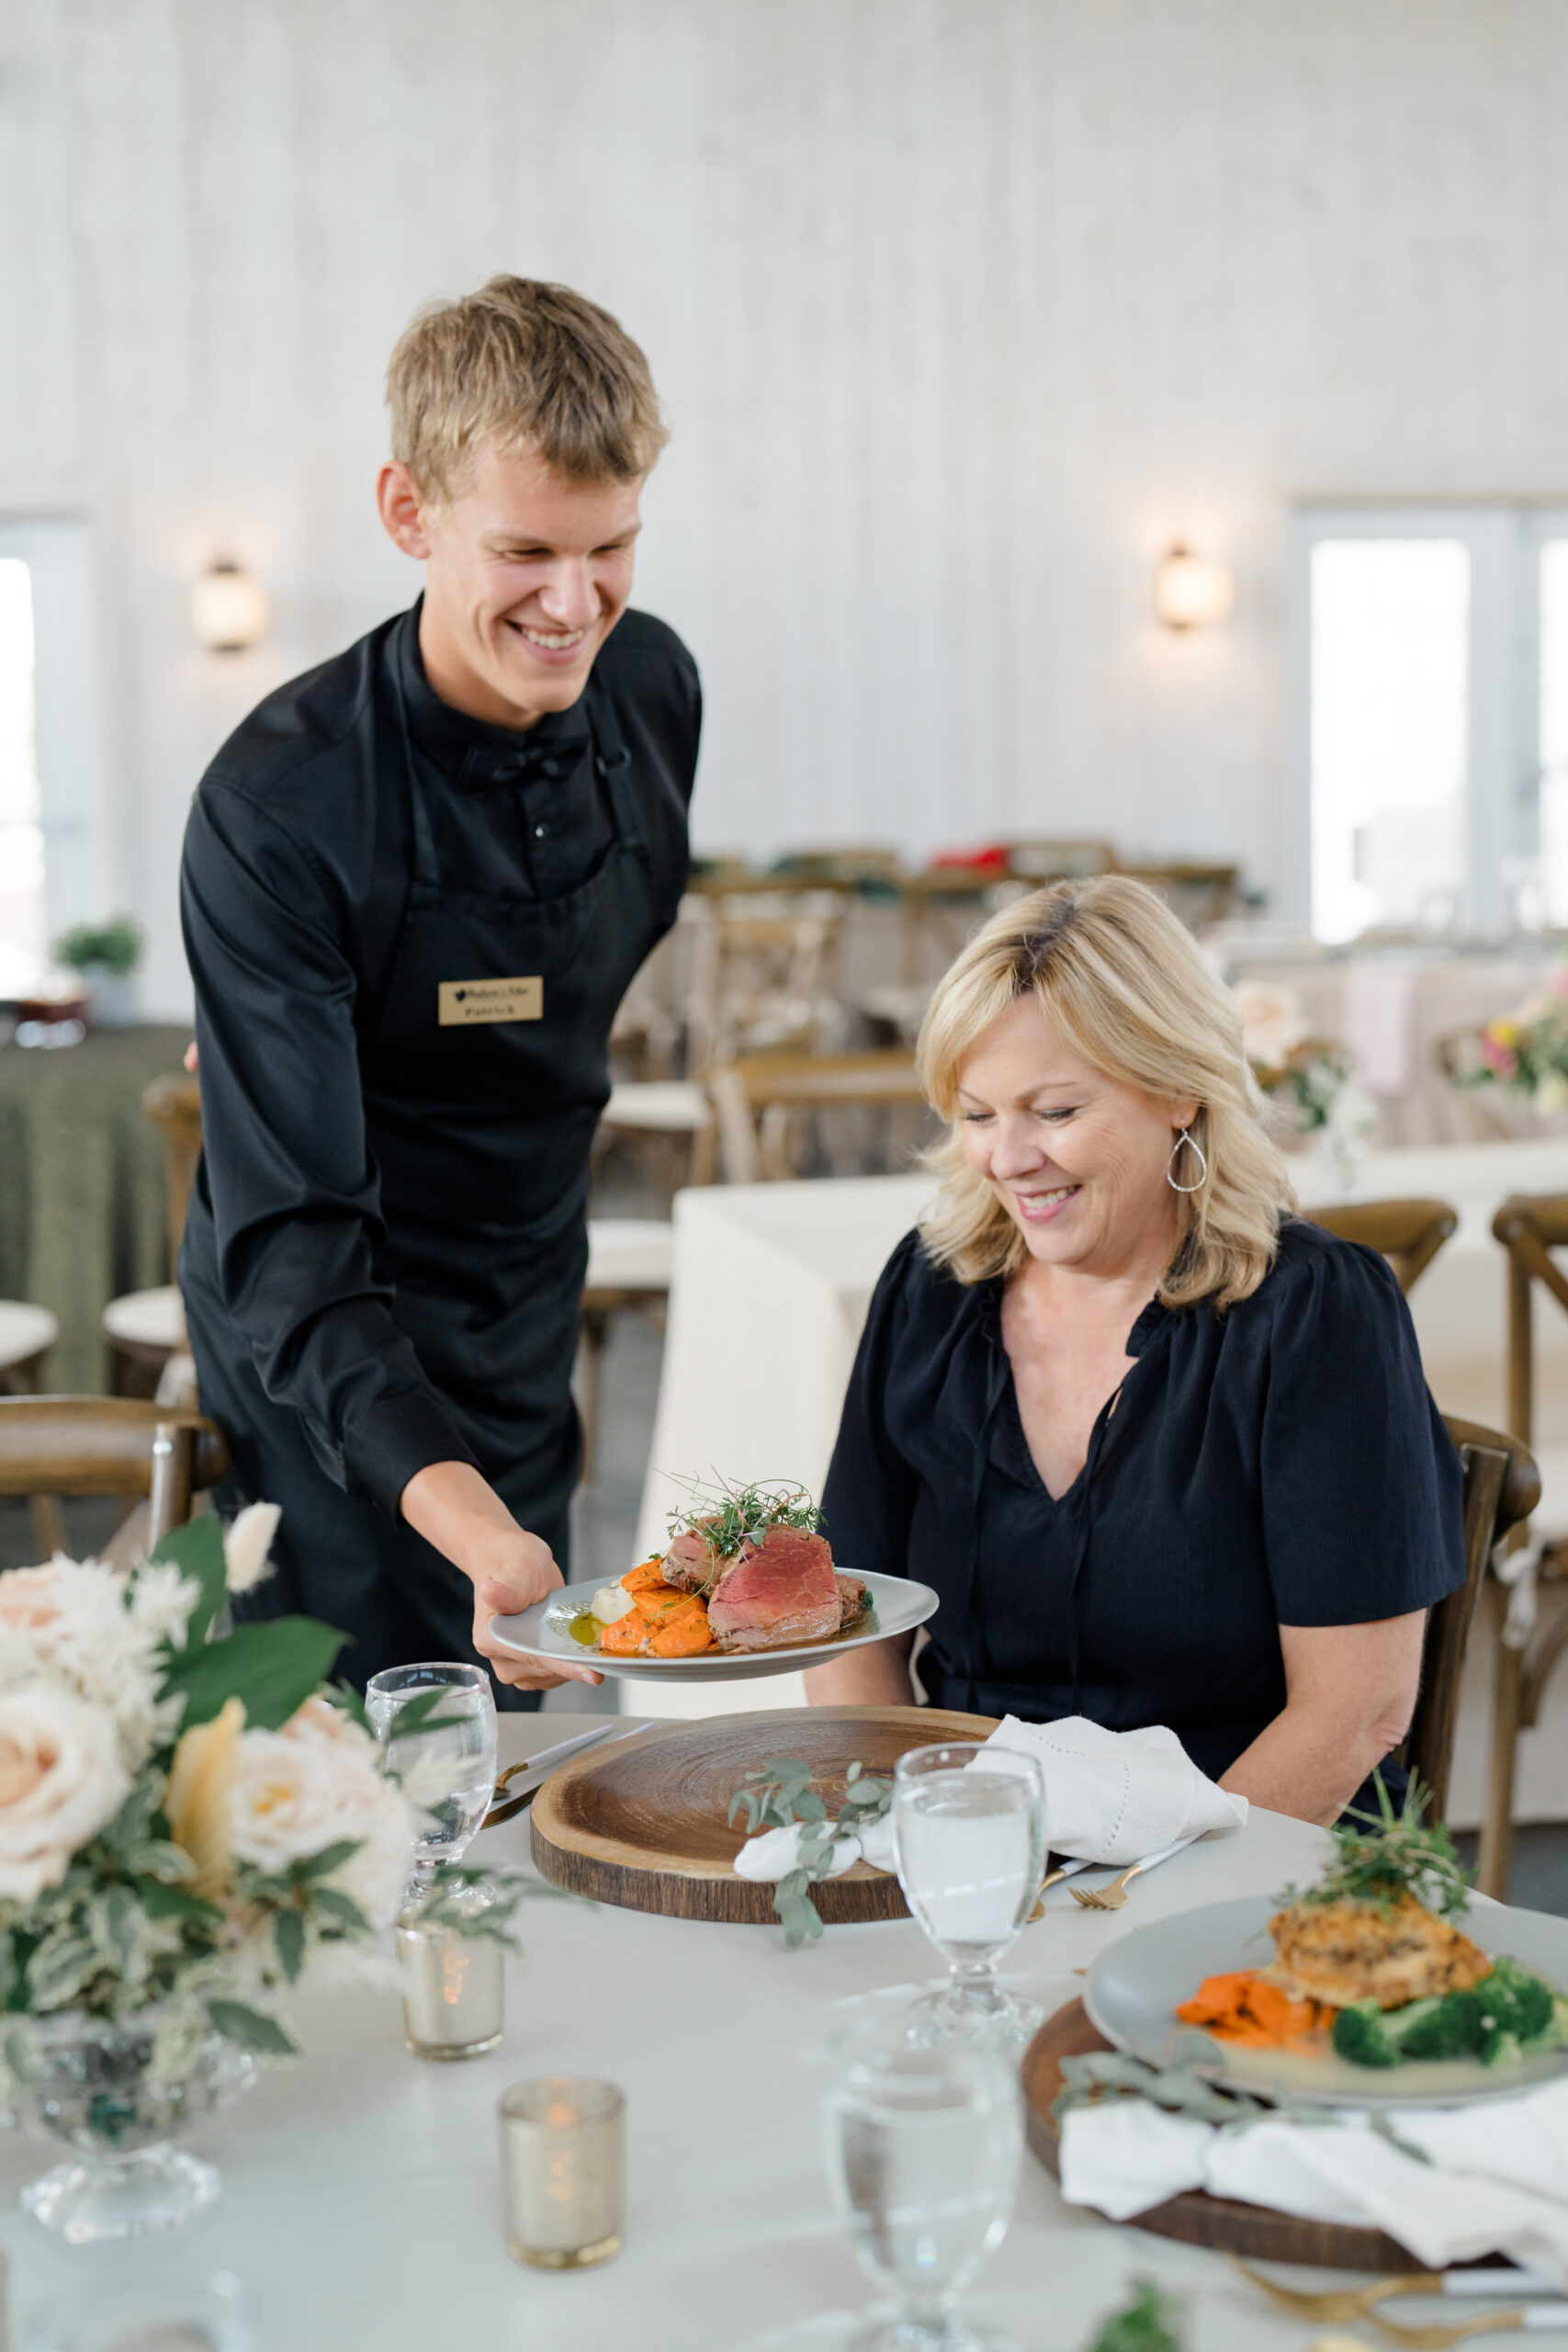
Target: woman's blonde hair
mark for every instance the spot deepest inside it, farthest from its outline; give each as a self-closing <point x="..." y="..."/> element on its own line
<point x="1123" y="983"/>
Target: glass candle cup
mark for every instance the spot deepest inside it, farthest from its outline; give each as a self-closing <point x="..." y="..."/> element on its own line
<point x="562" y="2161"/>
<point x="452" y="1989"/>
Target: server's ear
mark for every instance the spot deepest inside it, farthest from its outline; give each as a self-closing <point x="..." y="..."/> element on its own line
<point x="402" y="510"/>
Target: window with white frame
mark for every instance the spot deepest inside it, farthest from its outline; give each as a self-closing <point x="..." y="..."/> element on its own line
<point x="53" y="854"/>
<point x="1433" y="677"/>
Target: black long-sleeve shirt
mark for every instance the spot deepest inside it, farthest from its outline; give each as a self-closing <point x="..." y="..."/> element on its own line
<point x="298" y="863"/>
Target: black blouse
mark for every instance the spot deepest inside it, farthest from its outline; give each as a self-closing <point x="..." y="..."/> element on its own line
<point x="1282" y="1463"/>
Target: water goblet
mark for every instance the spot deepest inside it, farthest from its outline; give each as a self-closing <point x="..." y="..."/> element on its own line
<point x="923" y="2147"/>
<point x="435" y="1724"/>
<point x="969" y="1835"/>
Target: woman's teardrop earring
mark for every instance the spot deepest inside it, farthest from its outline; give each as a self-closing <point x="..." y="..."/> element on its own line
<point x="1193" y="1145"/>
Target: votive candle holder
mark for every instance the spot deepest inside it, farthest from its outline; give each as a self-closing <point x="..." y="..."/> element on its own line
<point x="454" y="1990"/>
<point x="563" y="2159"/>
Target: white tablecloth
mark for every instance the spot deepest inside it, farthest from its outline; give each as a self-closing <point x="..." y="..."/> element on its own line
<point x="362" y="2203"/>
<point x="770" y="1291"/>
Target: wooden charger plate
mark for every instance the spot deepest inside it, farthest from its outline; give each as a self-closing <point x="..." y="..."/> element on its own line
<point x="1256" y="2232"/>
<point x="644" y="1823"/>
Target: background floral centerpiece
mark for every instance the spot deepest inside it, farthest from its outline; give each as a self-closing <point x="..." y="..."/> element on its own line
<point x="188" y="1826"/>
<point x="1308" y="1083"/>
<point x="1525" y="1050"/>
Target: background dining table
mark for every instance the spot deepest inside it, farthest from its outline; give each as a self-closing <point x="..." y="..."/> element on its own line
<point x="361" y="2204"/>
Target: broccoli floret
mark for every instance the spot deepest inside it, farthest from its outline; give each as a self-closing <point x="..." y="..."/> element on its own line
<point x="1518" y="2013"/>
<point x="1451" y="2027"/>
<point x="1361" y="2035"/>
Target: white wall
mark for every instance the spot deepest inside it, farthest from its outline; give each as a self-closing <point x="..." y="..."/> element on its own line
<point x="962" y="309"/>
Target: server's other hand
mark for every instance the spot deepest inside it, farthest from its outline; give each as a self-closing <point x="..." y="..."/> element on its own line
<point x="455" y="1508"/>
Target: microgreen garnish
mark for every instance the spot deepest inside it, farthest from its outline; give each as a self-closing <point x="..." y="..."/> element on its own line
<point x="1381" y="1856"/>
<point x="727" y="1517"/>
<point x="778" y="1794"/>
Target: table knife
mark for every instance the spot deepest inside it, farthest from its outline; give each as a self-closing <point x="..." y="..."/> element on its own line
<point x="503" y="1805"/>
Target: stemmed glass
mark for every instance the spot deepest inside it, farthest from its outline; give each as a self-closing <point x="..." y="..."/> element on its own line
<point x="436" y="1726"/>
<point x="969" y="1835"/>
<point x="923" y="2148"/>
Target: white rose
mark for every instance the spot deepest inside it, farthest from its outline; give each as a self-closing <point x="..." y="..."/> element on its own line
<point x="1271" y="1023"/>
<point x="62" y="1781"/>
<point x="300" y="1790"/>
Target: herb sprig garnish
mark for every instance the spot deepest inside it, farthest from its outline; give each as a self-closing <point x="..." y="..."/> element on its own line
<point x="1378" y="1856"/>
<point x="780" y="1792"/>
<point x="727" y="1517"/>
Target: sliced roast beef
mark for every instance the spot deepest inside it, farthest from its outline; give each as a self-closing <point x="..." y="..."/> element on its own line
<point x="691" y="1564"/>
<point x="854" y="1598"/>
<point x="783" y="1591"/>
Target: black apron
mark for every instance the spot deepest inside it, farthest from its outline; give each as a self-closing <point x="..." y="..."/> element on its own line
<point x="481" y="1135"/>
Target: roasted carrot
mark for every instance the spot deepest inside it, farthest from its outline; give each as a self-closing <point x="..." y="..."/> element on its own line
<point x="1247" y="2007"/>
<point x="682" y="1632"/>
<point x="627" y="1638"/>
<point x="644" y="1577"/>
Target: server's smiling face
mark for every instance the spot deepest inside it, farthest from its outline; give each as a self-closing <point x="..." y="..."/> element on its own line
<point x="525" y="574"/>
<point x="1077" y="1160"/>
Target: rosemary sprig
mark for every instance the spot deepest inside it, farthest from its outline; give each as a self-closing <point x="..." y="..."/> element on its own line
<point x="778" y="1794"/>
<point x="727" y="1517"/>
<point x="1381" y="1856"/>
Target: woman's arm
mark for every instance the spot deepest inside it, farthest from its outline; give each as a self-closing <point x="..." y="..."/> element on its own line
<point x="875" y="1676"/>
<point x="460" y="1513"/>
<point x="1349" y="1694"/>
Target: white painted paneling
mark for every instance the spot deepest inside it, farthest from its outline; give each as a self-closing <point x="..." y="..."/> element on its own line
<point x="961" y="310"/>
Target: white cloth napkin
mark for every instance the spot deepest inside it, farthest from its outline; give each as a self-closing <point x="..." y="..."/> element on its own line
<point x="1111" y="1796"/>
<point x="1497" y="2181"/>
<point x="1115" y="1797"/>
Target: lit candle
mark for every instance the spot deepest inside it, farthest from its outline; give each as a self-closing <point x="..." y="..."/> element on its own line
<point x="562" y="2159"/>
<point x="453" y="1990"/>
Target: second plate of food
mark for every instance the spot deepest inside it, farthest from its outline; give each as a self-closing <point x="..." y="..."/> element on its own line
<point x="563" y="1628"/>
<point x="1137" y="1986"/>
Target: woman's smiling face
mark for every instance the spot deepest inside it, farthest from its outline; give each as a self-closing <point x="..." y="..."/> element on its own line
<point x="1077" y="1160"/>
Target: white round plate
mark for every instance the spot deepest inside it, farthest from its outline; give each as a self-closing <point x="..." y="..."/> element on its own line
<point x="1135" y="1987"/>
<point x="897" y="1606"/>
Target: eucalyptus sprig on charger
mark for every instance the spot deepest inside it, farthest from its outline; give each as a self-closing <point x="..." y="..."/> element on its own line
<point x="779" y="1796"/>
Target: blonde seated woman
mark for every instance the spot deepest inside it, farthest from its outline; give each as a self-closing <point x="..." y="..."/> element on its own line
<point x="1165" y="1451"/>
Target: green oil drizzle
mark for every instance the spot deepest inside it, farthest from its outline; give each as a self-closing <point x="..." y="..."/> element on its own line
<point x="584" y="1629"/>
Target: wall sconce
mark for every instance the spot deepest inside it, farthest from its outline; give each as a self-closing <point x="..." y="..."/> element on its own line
<point x="228" y="611"/>
<point x="1192" y="591"/>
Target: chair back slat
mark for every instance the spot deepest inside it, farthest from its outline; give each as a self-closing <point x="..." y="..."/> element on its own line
<point x="1409" y="1233"/>
<point x="174" y="1105"/>
<point x="1530" y="1226"/>
<point x="1502" y="1487"/>
<point x="767" y="1087"/>
<point x="110" y="1445"/>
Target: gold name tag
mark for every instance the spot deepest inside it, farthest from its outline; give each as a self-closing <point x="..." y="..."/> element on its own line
<point x="462" y="1001"/>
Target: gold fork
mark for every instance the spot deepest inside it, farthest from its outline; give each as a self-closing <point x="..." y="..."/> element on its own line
<point x="1360" y="2304"/>
<point x="1114" y="1897"/>
<point x="1345" y="2302"/>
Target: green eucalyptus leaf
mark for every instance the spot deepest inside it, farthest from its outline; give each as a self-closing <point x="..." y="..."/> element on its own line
<point x="61" y="1966"/>
<point x="331" y="1857"/>
<point x="340" y="1906"/>
<point x="288" y="1935"/>
<point x="272" y="1665"/>
<point x="252" y="2030"/>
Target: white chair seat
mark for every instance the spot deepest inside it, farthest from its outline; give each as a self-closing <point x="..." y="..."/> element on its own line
<point x="148" y="1318"/>
<point x="25" y="1332"/>
<point x="629" y="1253"/>
<point x="670" y="1106"/>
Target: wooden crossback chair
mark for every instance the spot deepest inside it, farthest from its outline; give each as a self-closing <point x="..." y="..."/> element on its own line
<point x="1409" y="1233"/>
<point x="1502" y="1487"/>
<point x="756" y="1101"/>
<point x="1530" y="1227"/>
<point x="109" y="1446"/>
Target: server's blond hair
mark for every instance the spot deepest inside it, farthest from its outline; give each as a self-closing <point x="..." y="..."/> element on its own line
<point x="521" y="365"/>
<point x="1122" y="982"/>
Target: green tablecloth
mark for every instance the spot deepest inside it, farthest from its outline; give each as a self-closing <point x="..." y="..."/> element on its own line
<point x="83" y="1215"/>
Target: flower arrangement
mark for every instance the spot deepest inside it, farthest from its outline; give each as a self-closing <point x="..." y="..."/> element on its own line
<point x="1526" y="1050"/>
<point x="1311" y="1076"/>
<point x="189" y="1820"/>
